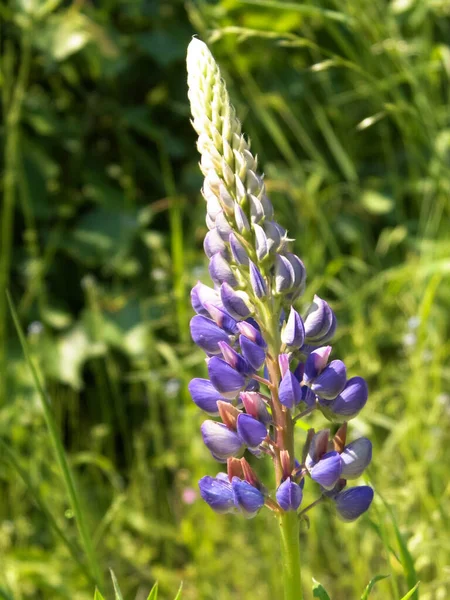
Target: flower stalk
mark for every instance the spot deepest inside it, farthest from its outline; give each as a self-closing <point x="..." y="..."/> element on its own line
<point x="268" y="366"/>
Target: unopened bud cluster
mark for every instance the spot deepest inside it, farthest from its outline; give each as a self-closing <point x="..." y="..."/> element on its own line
<point x="267" y="365"/>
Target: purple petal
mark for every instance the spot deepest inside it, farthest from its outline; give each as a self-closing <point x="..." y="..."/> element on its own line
<point x="318" y="320"/>
<point x="293" y="333"/>
<point x="253" y="353"/>
<point x="260" y="242"/>
<point x="352" y="503"/>
<point x="328" y="470"/>
<point x="351" y="400"/>
<point x="251" y="431"/>
<point x="205" y="395"/>
<point x="284" y="274"/>
<point x="238" y="250"/>
<point x="217" y="493"/>
<point x="289" y="392"/>
<point x="255" y="406"/>
<point x="222" y="318"/>
<point x="220" y="271"/>
<point x="237" y="304"/>
<point x="331" y="381"/>
<point x="207" y="334"/>
<point x="220" y="441"/>
<point x="316" y="362"/>
<point x="246" y="497"/>
<point x="356" y="457"/>
<point x="289" y="495"/>
<point x="257" y="281"/>
<point x="213" y="243"/>
<point x="201" y="294"/>
<point x="235" y="360"/>
<point x="251" y="333"/>
<point x="224" y="378"/>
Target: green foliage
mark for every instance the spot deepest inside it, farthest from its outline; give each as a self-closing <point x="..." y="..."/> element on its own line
<point x="371" y="584"/>
<point x="319" y="591"/>
<point x="101" y="234"/>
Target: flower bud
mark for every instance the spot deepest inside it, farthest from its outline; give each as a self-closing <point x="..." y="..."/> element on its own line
<point x="251" y="431"/>
<point x="260" y="242"/>
<point x="327" y="470"/>
<point x="257" y="281"/>
<point x="318" y="445"/>
<point x="223" y="227"/>
<point x="220" y="271"/>
<point x="247" y="498"/>
<point x="205" y="395"/>
<point x="299" y="272"/>
<point x="273" y="234"/>
<point x="267" y="205"/>
<point x="256" y="209"/>
<point x="236" y="303"/>
<point x="238" y="251"/>
<point x="224" y="378"/>
<point x="293" y="333"/>
<point x="206" y="334"/>
<point x="240" y="217"/>
<point x="255" y="406"/>
<point x="284" y="274"/>
<point x="252" y="353"/>
<point x="221" y="441"/>
<point x="289" y="495"/>
<point x="289" y="392"/>
<point x="356" y="457"/>
<point x="234" y="468"/>
<point x="331" y="381"/>
<point x="217" y="493"/>
<point x="352" y="503"/>
<point x="213" y="243"/>
<point x="228" y="413"/>
<point x="320" y="322"/>
<point x="226" y="200"/>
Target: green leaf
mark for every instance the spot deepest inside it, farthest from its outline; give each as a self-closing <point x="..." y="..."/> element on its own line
<point x="370" y="585"/>
<point x="411" y="592"/>
<point x="98" y="595"/>
<point x="319" y="591"/>
<point x="153" y="592"/>
<point x="117" y="592"/>
<point x="180" y="589"/>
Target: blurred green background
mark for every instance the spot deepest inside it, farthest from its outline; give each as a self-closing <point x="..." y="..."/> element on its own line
<point x="347" y="106"/>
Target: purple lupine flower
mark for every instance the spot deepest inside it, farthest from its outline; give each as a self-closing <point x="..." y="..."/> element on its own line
<point x="327" y="470"/>
<point x="289" y="495"/>
<point x="257" y="278"/>
<point x="217" y="493"/>
<point x="207" y="334"/>
<point x="331" y="380"/>
<point x="355" y="457"/>
<point x="205" y="395"/>
<point x="316" y="362"/>
<point x="251" y="431"/>
<point x="352" y="503"/>
<point x="220" y="440"/>
<point x="247" y="498"/>
<point x="224" y="378"/>
<point x="252" y="352"/>
<point x="351" y="400"/>
<point x="289" y="392"/>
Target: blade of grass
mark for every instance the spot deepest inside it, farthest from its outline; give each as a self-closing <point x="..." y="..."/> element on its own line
<point x="411" y="592"/>
<point x="180" y="589"/>
<point x="117" y="592"/>
<point x="60" y="454"/>
<point x="153" y="595"/>
<point x="43" y="507"/>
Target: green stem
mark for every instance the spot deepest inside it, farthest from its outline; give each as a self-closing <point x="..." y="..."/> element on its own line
<point x="290" y="555"/>
<point x="60" y="456"/>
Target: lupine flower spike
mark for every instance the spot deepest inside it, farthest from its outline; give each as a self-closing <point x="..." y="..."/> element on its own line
<point x="268" y="366"/>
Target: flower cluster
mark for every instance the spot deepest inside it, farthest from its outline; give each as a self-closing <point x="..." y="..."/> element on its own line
<point x="267" y="365"/>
